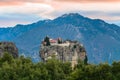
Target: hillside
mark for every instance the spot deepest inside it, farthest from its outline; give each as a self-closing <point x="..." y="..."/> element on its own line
<point x="101" y="40"/>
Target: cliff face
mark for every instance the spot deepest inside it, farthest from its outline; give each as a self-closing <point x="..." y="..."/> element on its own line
<point x="69" y="51"/>
<point x="8" y="47"/>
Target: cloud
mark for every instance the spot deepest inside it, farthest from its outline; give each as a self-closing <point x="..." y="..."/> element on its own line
<point x="28" y="11"/>
<point x="89" y="0"/>
<point x="13" y="19"/>
<point x="27" y="8"/>
<point x="59" y="0"/>
<point x="19" y="2"/>
<point x="25" y="13"/>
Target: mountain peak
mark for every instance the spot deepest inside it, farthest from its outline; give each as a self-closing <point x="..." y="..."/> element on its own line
<point x="99" y="38"/>
<point x="68" y="18"/>
<point x="71" y="15"/>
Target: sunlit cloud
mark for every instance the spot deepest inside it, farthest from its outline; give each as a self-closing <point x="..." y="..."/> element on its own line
<point x="28" y="11"/>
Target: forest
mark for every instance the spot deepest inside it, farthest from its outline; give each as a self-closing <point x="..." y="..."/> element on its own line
<point x="24" y="69"/>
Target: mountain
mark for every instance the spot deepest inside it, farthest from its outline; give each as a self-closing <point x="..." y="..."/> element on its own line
<point x="101" y="40"/>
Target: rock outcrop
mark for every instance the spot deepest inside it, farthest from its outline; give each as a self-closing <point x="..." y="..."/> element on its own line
<point x="8" y="47"/>
<point x="68" y="51"/>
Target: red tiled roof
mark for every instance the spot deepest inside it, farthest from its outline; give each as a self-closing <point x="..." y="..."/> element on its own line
<point x="53" y="41"/>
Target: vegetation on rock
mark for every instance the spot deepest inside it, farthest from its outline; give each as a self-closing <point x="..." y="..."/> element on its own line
<point x="46" y="40"/>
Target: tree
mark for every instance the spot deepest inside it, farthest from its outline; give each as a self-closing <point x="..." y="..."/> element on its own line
<point x="86" y="60"/>
<point x="7" y="57"/>
<point x="59" y="41"/>
<point x="47" y="40"/>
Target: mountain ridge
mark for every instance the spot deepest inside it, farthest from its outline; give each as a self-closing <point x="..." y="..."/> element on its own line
<point x="93" y="33"/>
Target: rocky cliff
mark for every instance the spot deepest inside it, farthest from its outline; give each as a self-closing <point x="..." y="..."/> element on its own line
<point x="8" y="47"/>
<point x="69" y="51"/>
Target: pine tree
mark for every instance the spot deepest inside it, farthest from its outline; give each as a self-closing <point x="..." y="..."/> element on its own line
<point x="47" y="40"/>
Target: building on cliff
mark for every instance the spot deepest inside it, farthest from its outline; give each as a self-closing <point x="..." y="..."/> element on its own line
<point x="8" y="47"/>
<point x="65" y="51"/>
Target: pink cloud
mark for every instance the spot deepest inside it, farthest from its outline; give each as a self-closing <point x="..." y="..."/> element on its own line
<point x="18" y="2"/>
<point x="53" y="8"/>
<point x="89" y="0"/>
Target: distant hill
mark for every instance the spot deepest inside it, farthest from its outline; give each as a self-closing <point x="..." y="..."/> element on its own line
<point x="101" y="40"/>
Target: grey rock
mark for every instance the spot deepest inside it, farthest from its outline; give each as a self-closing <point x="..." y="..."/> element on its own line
<point x="8" y="47"/>
<point x="69" y="51"/>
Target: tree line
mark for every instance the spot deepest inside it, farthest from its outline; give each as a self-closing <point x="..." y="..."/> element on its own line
<point x="24" y="69"/>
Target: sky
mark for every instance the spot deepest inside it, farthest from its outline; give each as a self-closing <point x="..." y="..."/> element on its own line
<point x="13" y="12"/>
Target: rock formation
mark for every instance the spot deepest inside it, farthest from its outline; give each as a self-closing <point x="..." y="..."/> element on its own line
<point x="67" y="51"/>
<point x="8" y="47"/>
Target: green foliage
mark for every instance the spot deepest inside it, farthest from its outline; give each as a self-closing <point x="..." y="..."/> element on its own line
<point x="24" y="69"/>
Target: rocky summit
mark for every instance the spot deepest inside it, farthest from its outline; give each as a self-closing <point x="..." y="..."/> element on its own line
<point x="8" y="47"/>
<point x="65" y="51"/>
